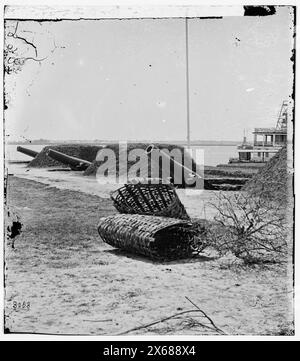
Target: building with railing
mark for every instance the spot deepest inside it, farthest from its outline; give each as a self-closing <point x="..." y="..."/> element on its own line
<point x="267" y="141"/>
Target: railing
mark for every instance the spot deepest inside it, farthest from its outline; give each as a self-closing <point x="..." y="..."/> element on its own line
<point x="268" y="144"/>
<point x="263" y="144"/>
<point x="280" y="144"/>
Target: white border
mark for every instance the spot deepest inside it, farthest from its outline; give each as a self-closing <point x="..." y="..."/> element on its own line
<point x="160" y="8"/>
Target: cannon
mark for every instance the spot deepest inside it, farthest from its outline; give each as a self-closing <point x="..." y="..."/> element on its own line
<point x="73" y="162"/>
<point x="30" y="152"/>
<point x="175" y="169"/>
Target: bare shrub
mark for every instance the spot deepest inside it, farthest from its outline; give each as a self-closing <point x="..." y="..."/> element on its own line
<point x="200" y="240"/>
<point x="249" y="227"/>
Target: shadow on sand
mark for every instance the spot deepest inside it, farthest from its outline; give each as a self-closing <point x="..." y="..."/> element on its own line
<point x="137" y="257"/>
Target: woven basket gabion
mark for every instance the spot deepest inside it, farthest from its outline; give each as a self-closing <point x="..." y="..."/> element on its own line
<point x="149" y="199"/>
<point x="158" y="238"/>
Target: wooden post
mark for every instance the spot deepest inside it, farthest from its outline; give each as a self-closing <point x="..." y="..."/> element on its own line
<point x="187" y="83"/>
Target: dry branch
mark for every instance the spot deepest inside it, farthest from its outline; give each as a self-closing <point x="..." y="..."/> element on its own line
<point x="214" y="327"/>
<point x="206" y="316"/>
<point x="160" y="321"/>
<point x="250" y="227"/>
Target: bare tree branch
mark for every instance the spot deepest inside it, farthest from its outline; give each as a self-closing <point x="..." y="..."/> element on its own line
<point x="206" y="316"/>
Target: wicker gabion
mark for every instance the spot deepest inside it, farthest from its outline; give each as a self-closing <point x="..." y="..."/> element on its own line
<point x="149" y="199"/>
<point x="159" y="238"/>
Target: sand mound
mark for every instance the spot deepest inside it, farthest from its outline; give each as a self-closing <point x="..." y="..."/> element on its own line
<point x="124" y="168"/>
<point x="272" y="180"/>
<point x="128" y="167"/>
<point x="82" y="151"/>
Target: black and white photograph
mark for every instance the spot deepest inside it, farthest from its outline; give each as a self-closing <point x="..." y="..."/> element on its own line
<point x="148" y="170"/>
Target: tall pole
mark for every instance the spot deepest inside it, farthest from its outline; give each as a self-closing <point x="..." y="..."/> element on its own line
<point x="187" y="82"/>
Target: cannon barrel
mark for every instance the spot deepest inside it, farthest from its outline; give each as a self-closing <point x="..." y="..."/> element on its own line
<point x="188" y="175"/>
<point x="73" y="162"/>
<point x="30" y="152"/>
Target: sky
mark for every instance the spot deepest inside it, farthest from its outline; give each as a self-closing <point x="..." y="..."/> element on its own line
<point x="126" y="79"/>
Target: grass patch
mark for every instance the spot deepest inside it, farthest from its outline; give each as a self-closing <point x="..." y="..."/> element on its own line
<point x="67" y="220"/>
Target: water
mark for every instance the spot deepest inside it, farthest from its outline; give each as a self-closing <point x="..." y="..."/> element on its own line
<point x="213" y="155"/>
<point x="218" y="154"/>
<point x="12" y="154"/>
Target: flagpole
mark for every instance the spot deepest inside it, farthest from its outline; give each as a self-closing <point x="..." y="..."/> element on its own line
<point x="187" y="83"/>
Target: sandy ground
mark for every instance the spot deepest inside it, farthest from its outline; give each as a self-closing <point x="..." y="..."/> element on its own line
<point x="196" y="202"/>
<point x="76" y="284"/>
